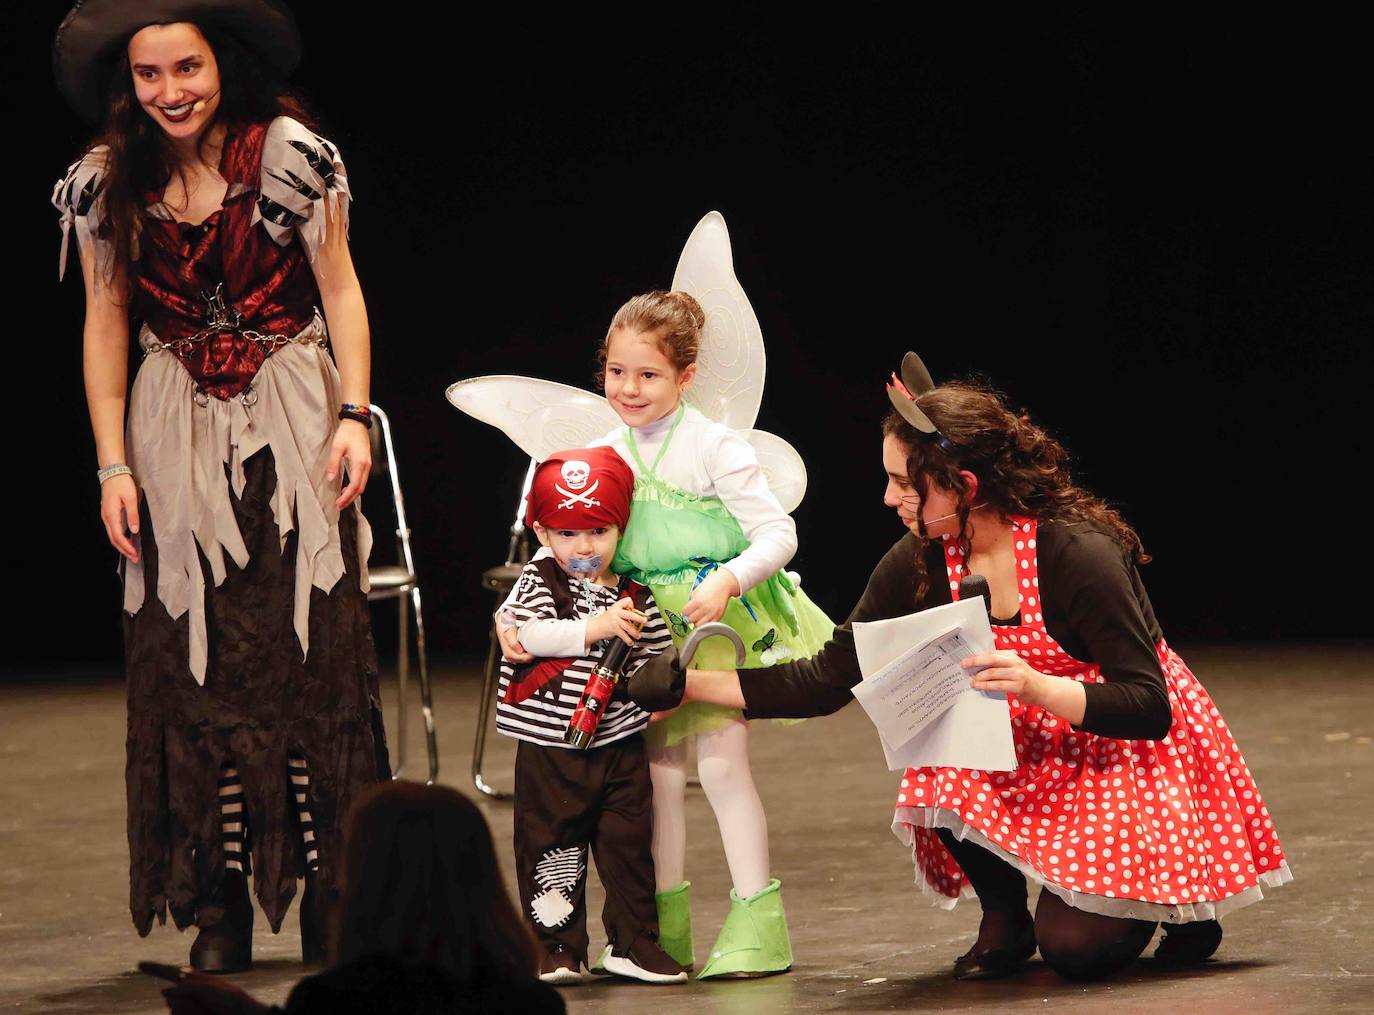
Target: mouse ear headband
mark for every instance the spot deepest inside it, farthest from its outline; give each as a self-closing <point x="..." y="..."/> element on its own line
<point x="915" y="382"/>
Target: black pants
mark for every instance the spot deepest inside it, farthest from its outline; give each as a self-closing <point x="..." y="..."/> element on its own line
<point x="565" y="801"/>
<point x="1075" y="943"/>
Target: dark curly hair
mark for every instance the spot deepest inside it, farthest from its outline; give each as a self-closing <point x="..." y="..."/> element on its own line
<point x="1021" y="469"/>
<point x="139" y="158"/>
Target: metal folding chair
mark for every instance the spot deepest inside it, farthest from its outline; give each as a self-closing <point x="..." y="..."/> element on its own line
<point x="499" y="580"/>
<point x="399" y="581"/>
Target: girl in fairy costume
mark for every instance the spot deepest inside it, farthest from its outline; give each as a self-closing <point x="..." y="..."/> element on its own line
<point x="710" y="540"/>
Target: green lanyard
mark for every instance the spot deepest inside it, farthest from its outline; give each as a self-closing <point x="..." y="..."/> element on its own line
<point x="634" y="447"/>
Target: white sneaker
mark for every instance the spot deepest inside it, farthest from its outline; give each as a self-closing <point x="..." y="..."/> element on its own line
<point x="556" y="968"/>
<point x="623" y="965"/>
<point x="563" y="976"/>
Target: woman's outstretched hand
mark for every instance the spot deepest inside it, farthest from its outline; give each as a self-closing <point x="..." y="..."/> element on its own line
<point x="118" y="510"/>
<point x="658" y="685"/>
<point x="352" y="444"/>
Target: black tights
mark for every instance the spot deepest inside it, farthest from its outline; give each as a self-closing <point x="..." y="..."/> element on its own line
<point x="1074" y="943"/>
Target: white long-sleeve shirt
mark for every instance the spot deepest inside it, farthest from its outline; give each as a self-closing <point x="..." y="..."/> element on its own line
<point x="709" y="459"/>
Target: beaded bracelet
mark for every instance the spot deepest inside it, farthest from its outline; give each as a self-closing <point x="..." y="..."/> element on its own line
<point x="358" y="413"/>
<point x="110" y="471"/>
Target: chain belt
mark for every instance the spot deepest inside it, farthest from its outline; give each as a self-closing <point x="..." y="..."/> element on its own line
<point x="221" y="317"/>
<point x="269" y="343"/>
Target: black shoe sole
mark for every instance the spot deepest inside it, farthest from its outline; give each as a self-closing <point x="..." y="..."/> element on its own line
<point x="994" y="965"/>
<point x="982" y="969"/>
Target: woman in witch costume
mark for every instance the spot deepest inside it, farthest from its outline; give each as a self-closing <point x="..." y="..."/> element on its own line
<point x="1131" y="804"/>
<point x="209" y="211"/>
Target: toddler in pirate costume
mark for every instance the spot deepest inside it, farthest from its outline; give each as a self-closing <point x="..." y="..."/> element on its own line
<point x="568" y="608"/>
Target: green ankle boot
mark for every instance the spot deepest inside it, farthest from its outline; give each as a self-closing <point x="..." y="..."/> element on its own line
<point x="674" y="929"/>
<point x="675" y="924"/>
<point x="754" y="940"/>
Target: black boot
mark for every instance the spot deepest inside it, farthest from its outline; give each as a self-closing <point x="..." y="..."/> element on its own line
<point x="1185" y="944"/>
<point x="226" y="946"/>
<point x="314" y="915"/>
<point x="1005" y="941"/>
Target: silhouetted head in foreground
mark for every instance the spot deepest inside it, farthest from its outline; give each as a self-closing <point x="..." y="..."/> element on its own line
<point x="420" y="882"/>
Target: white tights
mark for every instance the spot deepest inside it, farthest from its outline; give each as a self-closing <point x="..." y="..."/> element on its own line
<point x="723" y="767"/>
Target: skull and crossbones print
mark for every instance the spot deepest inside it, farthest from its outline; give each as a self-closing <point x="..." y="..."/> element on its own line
<point x="576" y="474"/>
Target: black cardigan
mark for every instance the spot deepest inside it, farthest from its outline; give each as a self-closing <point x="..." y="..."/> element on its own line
<point x="1093" y="603"/>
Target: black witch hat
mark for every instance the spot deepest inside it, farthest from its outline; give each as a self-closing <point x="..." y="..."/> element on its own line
<point x="93" y="32"/>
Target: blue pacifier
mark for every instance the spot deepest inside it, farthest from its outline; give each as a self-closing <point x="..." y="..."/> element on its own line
<point x="585" y="566"/>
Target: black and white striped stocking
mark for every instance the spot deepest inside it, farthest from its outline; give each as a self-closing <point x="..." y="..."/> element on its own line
<point x="234" y="826"/>
<point x="300" y="787"/>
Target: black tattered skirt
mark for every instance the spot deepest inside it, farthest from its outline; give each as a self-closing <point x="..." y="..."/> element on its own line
<point x="261" y="701"/>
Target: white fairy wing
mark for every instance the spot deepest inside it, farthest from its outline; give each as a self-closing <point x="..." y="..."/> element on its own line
<point x="730" y="367"/>
<point x="541" y="417"/>
<point x="782" y="467"/>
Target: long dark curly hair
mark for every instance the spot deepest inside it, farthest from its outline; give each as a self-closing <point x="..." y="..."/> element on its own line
<point x="1021" y="469"/>
<point x="140" y="159"/>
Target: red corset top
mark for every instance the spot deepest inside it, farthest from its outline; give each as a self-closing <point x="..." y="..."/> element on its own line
<point x="264" y="287"/>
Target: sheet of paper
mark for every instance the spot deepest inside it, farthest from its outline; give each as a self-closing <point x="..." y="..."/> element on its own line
<point x="971" y="731"/>
<point x="913" y="690"/>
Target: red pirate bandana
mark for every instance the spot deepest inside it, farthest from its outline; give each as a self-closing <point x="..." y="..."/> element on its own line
<point x="586" y="488"/>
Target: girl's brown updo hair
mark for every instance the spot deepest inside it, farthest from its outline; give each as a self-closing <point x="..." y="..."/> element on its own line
<point x="674" y="318"/>
<point x="1021" y="469"/>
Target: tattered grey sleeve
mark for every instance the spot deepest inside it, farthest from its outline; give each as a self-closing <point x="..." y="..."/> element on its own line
<point x="80" y="201"/>
<point x="300" y="170"/>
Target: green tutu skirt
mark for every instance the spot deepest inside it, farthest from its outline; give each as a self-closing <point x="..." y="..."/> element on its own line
<point x="673" y="541"/>
<point x="771" y="635"/>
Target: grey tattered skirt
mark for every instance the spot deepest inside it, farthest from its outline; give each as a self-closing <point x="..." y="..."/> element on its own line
<point x="247" y="636"/>
<point x="260" y="702"/>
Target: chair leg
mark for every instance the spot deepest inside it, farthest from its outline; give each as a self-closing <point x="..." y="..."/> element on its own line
<point x="490" y="682"/>
<point x="426" y="695"/>
<point x="402" y="684"/>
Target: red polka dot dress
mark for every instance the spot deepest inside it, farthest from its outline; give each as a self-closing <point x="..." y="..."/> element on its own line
<point x="1170" y="829"/>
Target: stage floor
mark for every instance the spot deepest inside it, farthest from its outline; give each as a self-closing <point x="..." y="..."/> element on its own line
<point x="865" y="938"/>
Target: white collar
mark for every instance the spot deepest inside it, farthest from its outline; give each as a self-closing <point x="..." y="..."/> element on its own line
<point x="651" y="431"/>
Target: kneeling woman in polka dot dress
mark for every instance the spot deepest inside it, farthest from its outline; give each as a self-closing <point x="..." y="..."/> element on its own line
<point x="1131" y="804"/>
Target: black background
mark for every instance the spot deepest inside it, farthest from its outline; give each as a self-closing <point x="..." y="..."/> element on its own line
<point x="1155" y="239"/>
